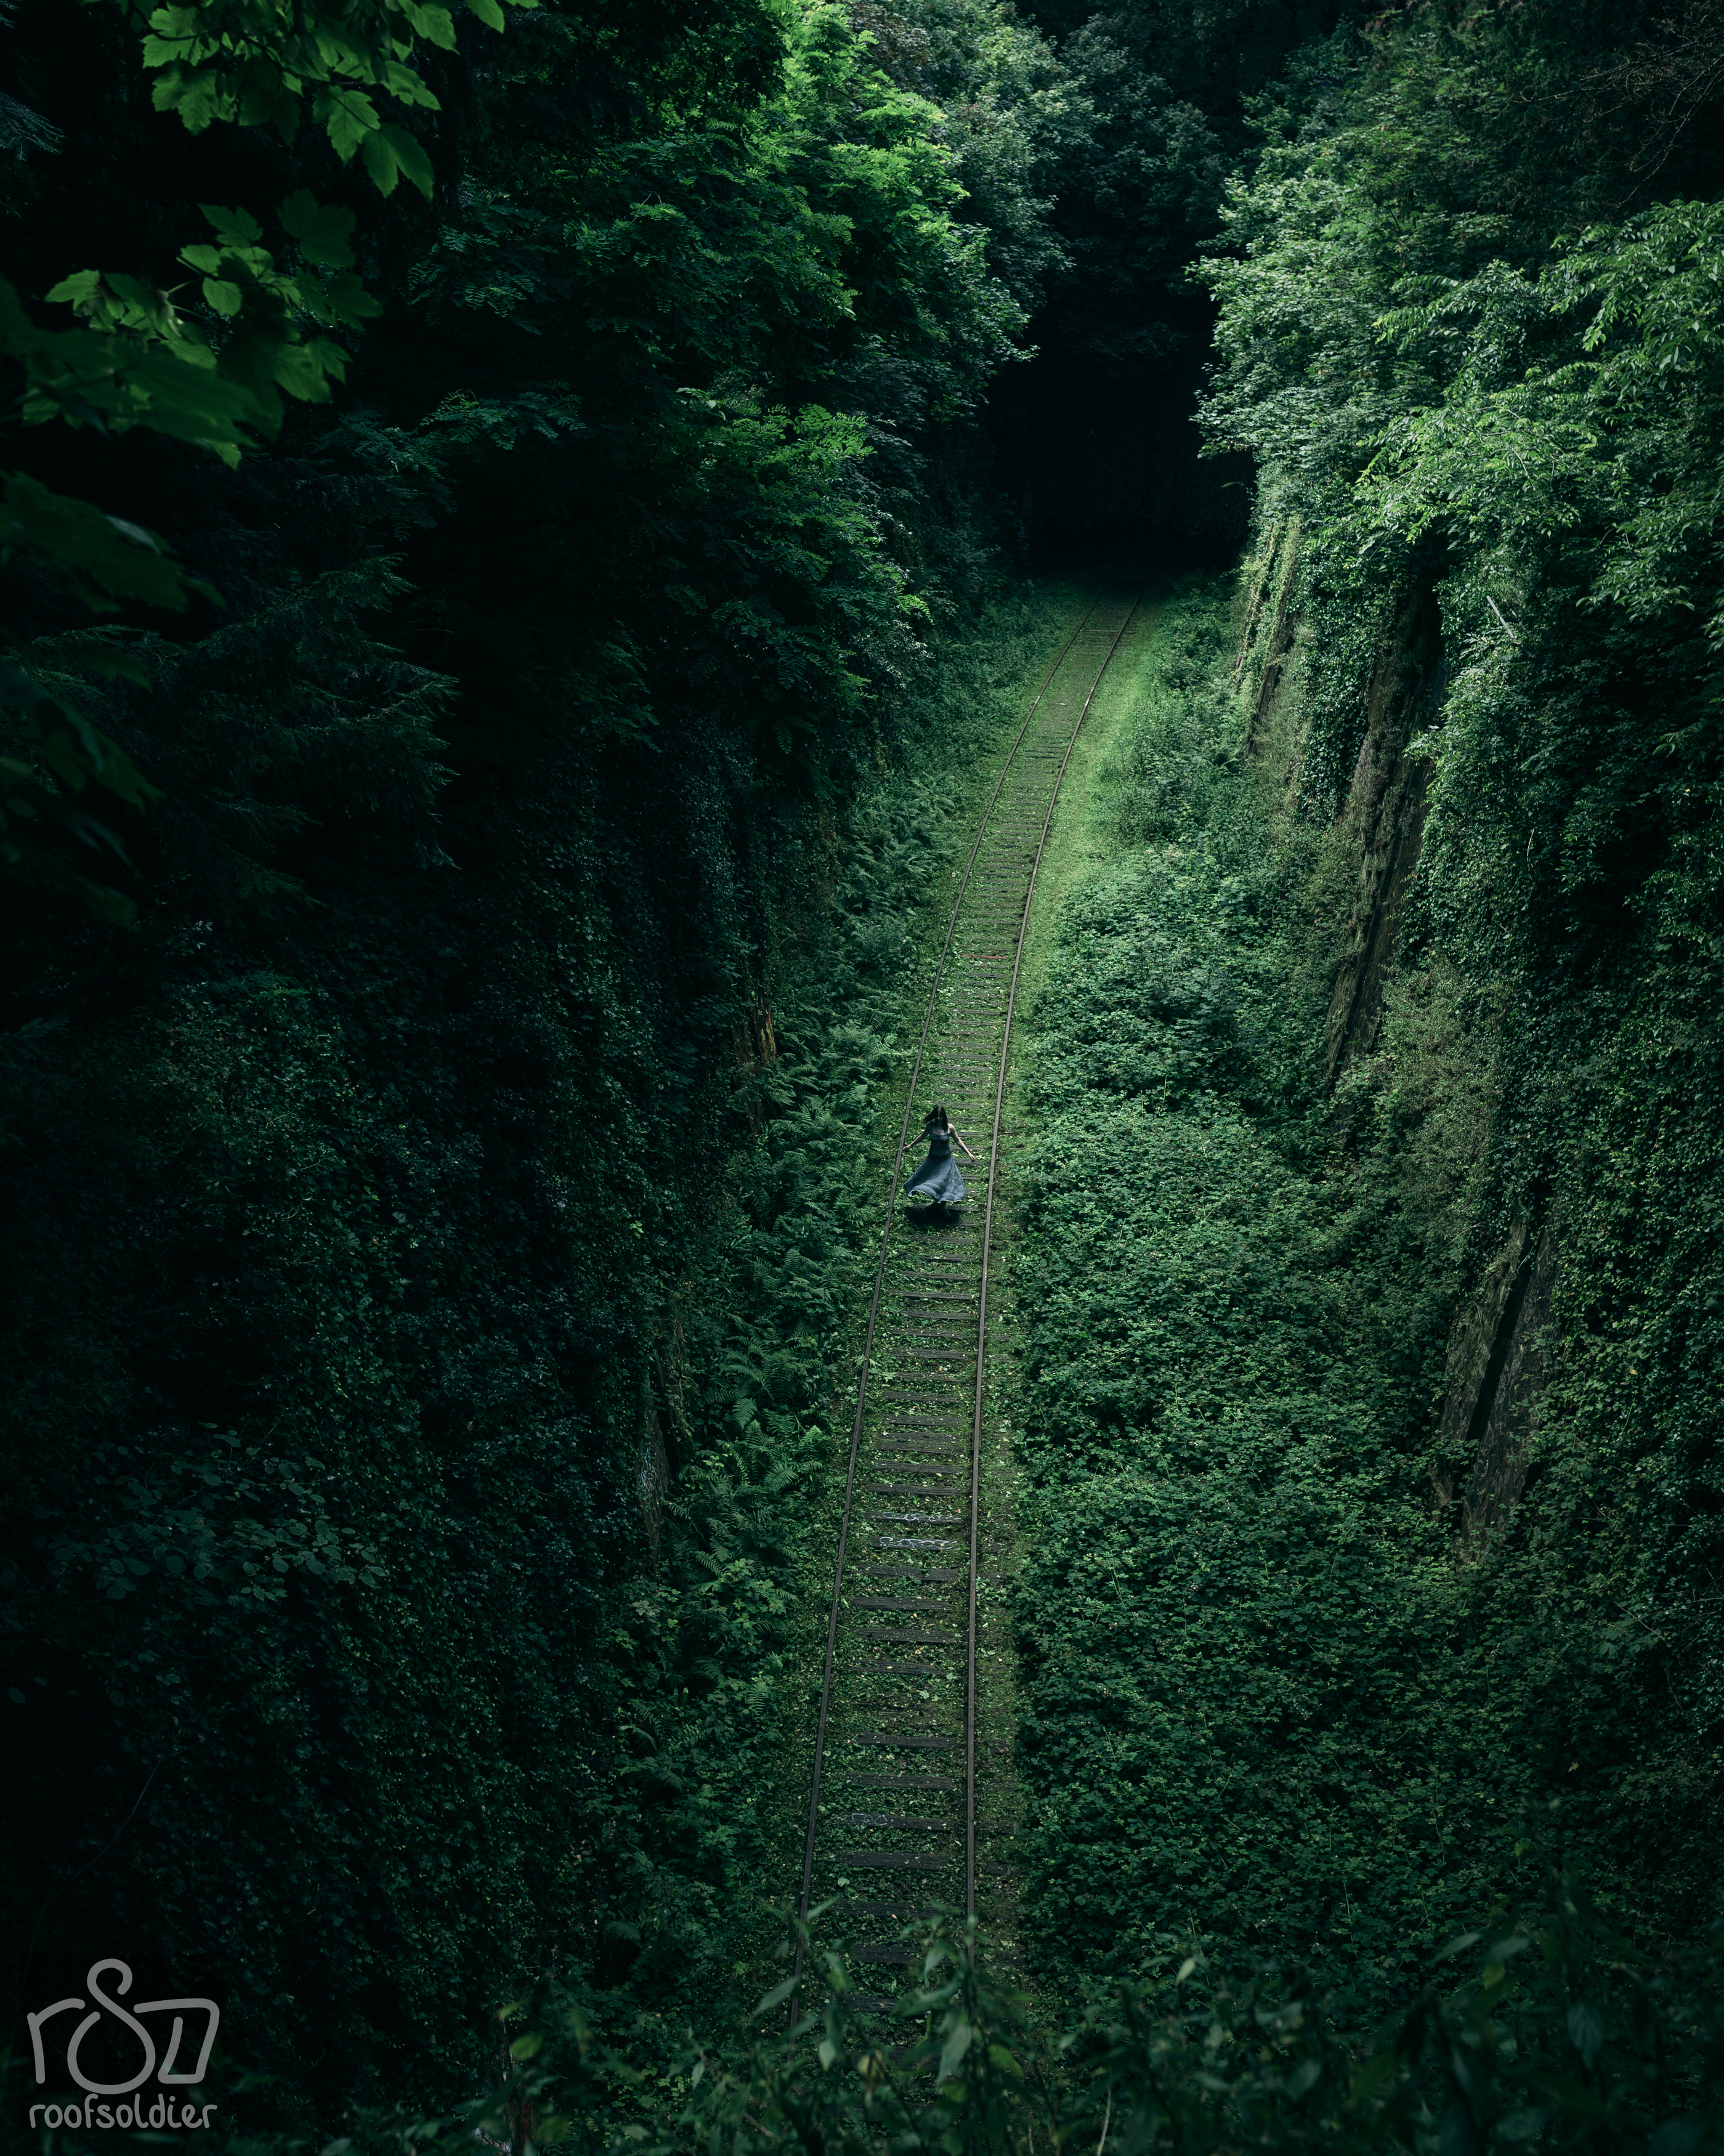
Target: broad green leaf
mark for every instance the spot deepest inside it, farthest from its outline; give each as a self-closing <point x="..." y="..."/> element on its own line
<point x="324" y="231"/>
<point x="391" y="152"/>
<point x="350" y="119"/>
<point x="410" y="156"/>
<point x="234" y="228"/>
<point x="952" y="2055"/>
<point x="191" y="349"/>
<point x="775" y="1997"/>
<point x="329" y="355"/>
<point x="198" y="99"/>
<point x="345" y="300"/>
<point x="82" y="549"/>
<point x="488" y="12"/>
<point x="297" y="371"/>
<point x="1586" y="2029"/>
<point x="145" y="301"/>
<point x="410" y="87"/>
<point x="224" y="294"/>
<point x="79" y="288"/>
<point x="433" y="23"/>
<point x="40" y="811"/>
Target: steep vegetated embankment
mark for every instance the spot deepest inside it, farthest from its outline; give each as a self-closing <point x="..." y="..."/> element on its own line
<point x="427" y="1259"/>
<point x="1363" y="1524"/>
<point x="1377" y="1380"/>
<point x="1260" y="1715"/>
<point x="623" y="1489"/>
<point x="428" y="1268"/>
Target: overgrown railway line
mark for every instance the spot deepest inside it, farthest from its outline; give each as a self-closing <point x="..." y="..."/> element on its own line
<point x="907" y="1775"/>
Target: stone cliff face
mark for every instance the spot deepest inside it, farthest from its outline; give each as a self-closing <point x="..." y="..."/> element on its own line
<point x="1383" y="819"/>
<point x="1495" y="1376"/>
<point x="1495" y="1365"/>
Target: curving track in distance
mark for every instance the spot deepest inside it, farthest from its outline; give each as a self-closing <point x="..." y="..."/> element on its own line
<point x="908" y="1777"/>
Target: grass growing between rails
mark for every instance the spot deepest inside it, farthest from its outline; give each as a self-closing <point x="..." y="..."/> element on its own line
<point x="1272" y="1711"/>
<point x="855" y="979"/>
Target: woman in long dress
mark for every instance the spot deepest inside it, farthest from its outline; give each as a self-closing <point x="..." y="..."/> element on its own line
<point x="939" y="1181"/>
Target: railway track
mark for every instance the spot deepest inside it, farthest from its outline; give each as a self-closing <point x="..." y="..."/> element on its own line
<point x="911" y="1803"/>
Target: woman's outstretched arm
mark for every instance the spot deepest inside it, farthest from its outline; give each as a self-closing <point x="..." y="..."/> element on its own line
<point x="954" y="1133"/>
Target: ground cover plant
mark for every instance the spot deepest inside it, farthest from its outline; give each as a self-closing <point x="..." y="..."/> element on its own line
<point x="1280" y="1702"/>
<point x="1261" y="1711"/>
<point x="1398" y="988"/>
<point x="506" y="598"/>
<point x="260" y="1581"/>
<point x="426" y="1270"/>
<point x="1547" y="2030"/>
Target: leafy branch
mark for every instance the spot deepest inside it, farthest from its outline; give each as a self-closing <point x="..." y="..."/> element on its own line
<point x="255" y="63"/>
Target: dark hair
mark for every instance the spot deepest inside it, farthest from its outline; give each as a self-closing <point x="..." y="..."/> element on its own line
<point x="937" y="1120"/>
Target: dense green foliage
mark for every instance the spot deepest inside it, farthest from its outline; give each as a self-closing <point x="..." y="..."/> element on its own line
<point x="1561" y="2032"/>
<point x="1263" y="1711"/>
<point x="426" y="1269"/>
<point x="551" y="624"/>
<point x="445" y="1681"/>
<point x="1305" y="1646"/>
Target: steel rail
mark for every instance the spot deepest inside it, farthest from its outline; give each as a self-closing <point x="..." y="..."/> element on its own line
<point x="1030" y="840"/>
<point x="880" y="1277"/>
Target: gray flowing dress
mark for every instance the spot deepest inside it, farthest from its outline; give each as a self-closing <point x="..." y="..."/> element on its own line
<point x="938" y="1177"/>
